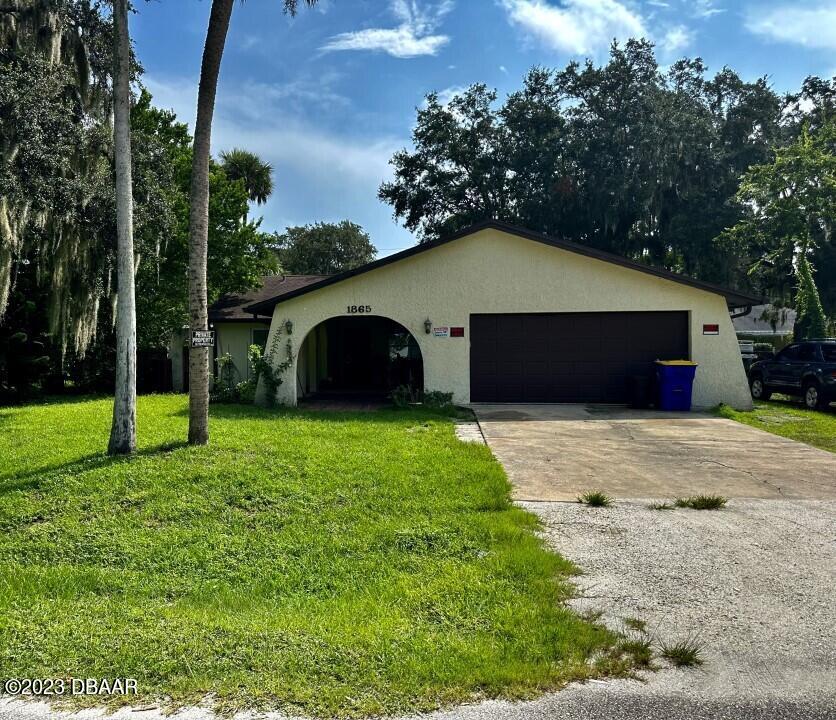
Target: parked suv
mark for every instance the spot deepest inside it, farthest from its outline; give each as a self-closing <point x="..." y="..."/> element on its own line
<point x="806" y="369"/>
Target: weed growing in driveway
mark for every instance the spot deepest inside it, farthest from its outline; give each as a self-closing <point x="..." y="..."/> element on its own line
<point x="595" y="498"/>
<point x="660" y="505"/>
<point x="636" y="624"/>
<point x="684" y="653"/>
<point x="639" y="649"/>
<point x="701" y="502"/>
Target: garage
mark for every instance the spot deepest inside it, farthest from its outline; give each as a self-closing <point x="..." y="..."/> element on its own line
<point x="497" y="313"/>
<point x="569" y="357"/>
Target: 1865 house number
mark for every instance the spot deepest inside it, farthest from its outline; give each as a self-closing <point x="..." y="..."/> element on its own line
<point x="353" y="309"/>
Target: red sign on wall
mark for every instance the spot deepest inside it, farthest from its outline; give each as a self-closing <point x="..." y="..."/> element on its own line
<point x="711" y="329"/>
<point x="456" y="332"/>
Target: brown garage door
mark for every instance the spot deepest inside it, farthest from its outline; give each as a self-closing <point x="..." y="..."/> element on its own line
<point x="569" y="357"/>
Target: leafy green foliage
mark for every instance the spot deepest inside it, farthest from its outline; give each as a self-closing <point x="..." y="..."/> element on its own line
<point x="810" y="321"/>
<point x="789" y="207"/>
<point x="330" y="564"/>
<point x="323" y="248"/>
<point x="268" y="368"/>
<point x="252" y="171"/>
<point x="618" y="157"/>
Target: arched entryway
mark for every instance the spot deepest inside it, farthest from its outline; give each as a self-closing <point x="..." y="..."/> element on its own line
<point x="358" y="356"/>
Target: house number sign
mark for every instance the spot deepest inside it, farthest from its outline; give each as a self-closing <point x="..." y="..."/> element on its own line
<point x="354" y="309"/>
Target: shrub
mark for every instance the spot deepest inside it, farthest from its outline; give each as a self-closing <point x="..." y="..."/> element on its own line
<point x="595" y="498"/>
<point x="438" y="399"/>
<point x="224" y="389"/>
<point x="403" y="396"/>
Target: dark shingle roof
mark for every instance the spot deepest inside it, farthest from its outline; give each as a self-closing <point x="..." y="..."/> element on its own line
<point x="230" y="308"/>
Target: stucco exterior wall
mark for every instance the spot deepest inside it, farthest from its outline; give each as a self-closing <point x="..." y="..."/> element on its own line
<point x="495" y="272"/>
<point x="235" y="339"/>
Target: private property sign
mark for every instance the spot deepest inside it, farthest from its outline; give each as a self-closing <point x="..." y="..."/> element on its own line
<point x="203" y="338"/>
<point x="443" y="331"/>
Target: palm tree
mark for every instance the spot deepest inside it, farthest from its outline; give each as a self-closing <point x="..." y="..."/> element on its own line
<point x="257" y="175"/>
<point x="123" y="429"/>
<point x="210" y="67"/>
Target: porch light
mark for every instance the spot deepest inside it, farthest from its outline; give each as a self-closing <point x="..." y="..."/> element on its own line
<point x="428" y="326"/>
<point x="288" y="325"/>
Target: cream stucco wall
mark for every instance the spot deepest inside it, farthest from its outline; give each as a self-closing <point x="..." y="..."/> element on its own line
<point x="235" y="339"/>
<point x="495" y="272"/>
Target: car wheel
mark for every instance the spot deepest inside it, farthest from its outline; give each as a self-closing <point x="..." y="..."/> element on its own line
<point x="759" y="391"/>
<point x="813" y="397"/>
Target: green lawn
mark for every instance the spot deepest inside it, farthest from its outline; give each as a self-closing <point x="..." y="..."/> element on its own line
<point x="333" y="564"/>
<point x="790" y="419"/>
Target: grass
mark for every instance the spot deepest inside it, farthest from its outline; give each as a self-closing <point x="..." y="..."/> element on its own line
<point x="639" y="649"/>
<point x="331" y="564"/>
<point x="636" y="624"/>
<point x="660" y="505"/>
<point x="790" y="420"/>
<point x="595" y="498"/>
<point x="683" y="653"/>
<point x="701" y="502"/>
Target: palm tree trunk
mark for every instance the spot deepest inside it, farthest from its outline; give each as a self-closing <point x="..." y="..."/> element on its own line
<point x="123" y="429"/>
<point x="199" y="218"/>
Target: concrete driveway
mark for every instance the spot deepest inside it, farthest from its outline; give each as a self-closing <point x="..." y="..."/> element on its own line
<point x="556" y="452"/>
<point x="753" y="582"/>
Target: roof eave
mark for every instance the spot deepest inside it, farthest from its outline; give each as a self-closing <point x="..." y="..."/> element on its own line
<point x="733" y="298"/>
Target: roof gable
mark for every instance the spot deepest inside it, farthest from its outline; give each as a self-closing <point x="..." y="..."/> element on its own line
<point x="733" y="297"/>
<point x="230" y="308"/>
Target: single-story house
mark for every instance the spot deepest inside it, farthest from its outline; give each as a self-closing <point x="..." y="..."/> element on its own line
<point x="494" y="313"/>
<point x="235" y="329"/>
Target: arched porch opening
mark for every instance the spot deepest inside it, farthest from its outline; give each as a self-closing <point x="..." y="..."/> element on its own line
<point x="358" y="357"/>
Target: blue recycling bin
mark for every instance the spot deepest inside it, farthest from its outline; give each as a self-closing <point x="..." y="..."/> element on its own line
<point x="674" y="383"/>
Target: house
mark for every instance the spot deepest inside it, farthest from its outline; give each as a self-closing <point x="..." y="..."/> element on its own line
<point x="496" y="313"/>
<point x="235" y="329"/>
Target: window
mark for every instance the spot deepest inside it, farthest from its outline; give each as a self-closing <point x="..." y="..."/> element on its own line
<point x="790" y="353"/>
<point x="829" y="352"/>
<point x="260" y="337"/>
<point x="808" y="353"/>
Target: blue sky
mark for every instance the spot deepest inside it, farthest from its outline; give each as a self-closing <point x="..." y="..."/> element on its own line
<point x="328" y="96"/>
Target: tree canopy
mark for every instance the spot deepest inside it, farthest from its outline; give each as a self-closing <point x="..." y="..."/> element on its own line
<point x="57" y="202"/>
<point x="788" y="212"/>
<point x="250" y="169"/>
<point x="324" y="248"/>
<point x="621" y="157"/>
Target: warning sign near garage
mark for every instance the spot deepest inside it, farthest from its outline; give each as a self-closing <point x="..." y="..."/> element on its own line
<point x="441" y="331"/>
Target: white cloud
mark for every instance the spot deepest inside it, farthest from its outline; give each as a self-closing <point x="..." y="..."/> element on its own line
<point x="447" y="94"/>
<point x="813" y="26"/>
<point x="320" y="173"/>
<point x="577" y="26"/>
<point x="706" y="8"/>
<point x="503" y="69"/>
<point x="676" y="38"/>
<point x="414" y="36"/>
